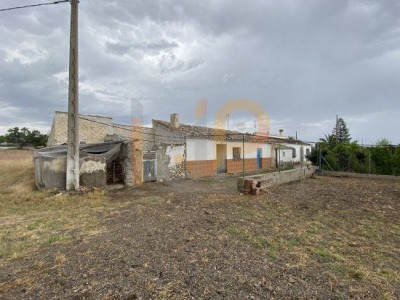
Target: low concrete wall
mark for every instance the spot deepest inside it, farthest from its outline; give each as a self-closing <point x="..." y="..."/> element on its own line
<point x="50" y="172"/>
<point x="360" y="175"/>
<point x="93" y="172"/>
<point x="277" y="178"/>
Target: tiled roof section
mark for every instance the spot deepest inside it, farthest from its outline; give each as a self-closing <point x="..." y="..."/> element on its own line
<point x="287" y="141"/>
<point x="284" y="147"/>
<point x="201" y="132"/>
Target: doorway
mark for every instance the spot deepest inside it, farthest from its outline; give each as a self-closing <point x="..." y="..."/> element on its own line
<point x="259" y="158"/>
<point x="221" y="159"/>
<point x="149" y="166"/>
<point x="115" y="172"/>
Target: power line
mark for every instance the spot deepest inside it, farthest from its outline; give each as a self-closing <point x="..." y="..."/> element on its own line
<point x="237" y="135"/>
<point x="34" y="5"/>
<point x="135" y="128"/>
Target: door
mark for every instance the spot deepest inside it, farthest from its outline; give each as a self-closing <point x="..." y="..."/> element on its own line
<point x="115" y="172"/>
<point x="149" y="167"/>
<point x="221" y="159"/>
<point x="259" y="158"/>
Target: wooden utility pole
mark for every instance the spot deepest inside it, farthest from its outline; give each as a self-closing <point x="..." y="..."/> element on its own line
<point x="243" y="145"/>
<point x="72" y="180"/>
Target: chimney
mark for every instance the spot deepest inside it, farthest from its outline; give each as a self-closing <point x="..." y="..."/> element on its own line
<point x="281" y="132"/>
<point x="174" y="120"/>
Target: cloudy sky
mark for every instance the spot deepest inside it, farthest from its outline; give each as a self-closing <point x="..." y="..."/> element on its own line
<point x="303" y="61"/>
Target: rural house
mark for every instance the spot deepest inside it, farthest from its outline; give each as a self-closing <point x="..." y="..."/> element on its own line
<point x="289" y="150"/>
<point x="171" y="150"/>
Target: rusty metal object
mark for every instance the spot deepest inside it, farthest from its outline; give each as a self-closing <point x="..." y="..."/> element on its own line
<point x="248" y="186"/>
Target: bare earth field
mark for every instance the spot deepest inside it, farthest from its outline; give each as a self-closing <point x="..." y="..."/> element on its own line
<point x="325" y="238"/>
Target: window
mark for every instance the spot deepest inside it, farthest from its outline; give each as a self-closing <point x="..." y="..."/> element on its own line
<point x="307" y="151"/>
<point x="236" y="153"/>
<point x="283" y="153"/>
<point x="294" y="153"/>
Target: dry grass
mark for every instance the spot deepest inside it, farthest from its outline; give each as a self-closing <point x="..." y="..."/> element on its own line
<point x="30" y="219"/>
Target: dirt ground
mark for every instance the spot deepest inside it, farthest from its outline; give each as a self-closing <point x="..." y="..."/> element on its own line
<point x="325" y="238"/>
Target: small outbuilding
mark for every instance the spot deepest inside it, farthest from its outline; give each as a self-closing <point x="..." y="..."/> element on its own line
<point x="101" y="164"/>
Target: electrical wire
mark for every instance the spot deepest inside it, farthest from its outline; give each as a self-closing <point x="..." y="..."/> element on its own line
<point x="237" y="135"/>
<point x="34" y="5"/>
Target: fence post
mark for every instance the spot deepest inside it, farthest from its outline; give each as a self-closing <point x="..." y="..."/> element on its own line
<point x="320" y="159"/>
<point x="369" y="161"/>
<point x="279" y="158"/>
<point x="243" y="159"/>
<point x="349" y="164"/>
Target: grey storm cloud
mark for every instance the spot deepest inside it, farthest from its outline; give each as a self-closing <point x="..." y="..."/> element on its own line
<point x="303" y="61"/>
<point x="152" y="46"/>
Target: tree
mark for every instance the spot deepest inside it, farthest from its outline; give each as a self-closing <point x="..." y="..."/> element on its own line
<point x="341" y="132"/>
<point x="328" y="142"/>
<point x="383" y="142"/>
<point x="342" y="155"/>
<point x="37" y="139"/>
<point x="17" y="136"/>
<point x="396" y="161"/>
<point x="382" y="157"/>
<point x="2" y="139"/>
<point x="24" y="136"/>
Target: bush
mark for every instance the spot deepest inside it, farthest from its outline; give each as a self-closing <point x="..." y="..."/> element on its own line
<point x="383" y="159"/>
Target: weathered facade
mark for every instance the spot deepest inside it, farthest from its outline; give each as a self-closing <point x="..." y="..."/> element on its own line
<point x="209" y="151"/>
<point x="171" y="150"/>
<point x="101" y="164"/>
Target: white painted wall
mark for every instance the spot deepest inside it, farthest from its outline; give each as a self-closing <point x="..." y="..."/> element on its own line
<point x="286" y="155"/>
<point x="198" y="149"/>
<point x="288" y="152"/>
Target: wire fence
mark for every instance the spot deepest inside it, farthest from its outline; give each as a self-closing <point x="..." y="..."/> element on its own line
<point x="355" y="158"/>
<point x="379" y="159"/>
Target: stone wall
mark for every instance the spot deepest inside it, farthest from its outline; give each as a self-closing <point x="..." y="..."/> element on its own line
<point x="170" y="149"/>
<point x="276" y="178"/>
<point x="170" y="162"/>
<point x="165" y="135"/>
<point x="92" y="129"/>
<point x="92" y="172"/>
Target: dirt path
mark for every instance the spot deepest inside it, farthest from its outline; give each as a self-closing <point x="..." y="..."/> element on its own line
<point x="320" y="238"/>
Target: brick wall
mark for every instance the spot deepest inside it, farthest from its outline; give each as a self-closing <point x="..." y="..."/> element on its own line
<point x="201" y="168"/>
<point x="267" y="163"/>
<point x="250" y="164"/>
